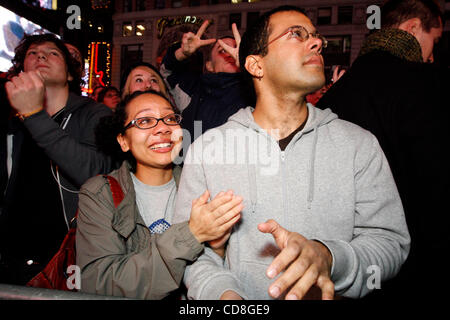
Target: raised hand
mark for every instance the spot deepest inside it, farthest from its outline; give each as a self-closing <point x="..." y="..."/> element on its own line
<point x="212" y="220"/>
<point x="305" y="263"/>
<point x="337" y="74"/>
<point x="26" y="92"/>
<point x="234" y="52"/>
<point x="191" y="42"/>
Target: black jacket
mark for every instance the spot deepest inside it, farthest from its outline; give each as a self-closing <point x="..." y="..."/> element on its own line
<point x="405" y="105"/>
<point x="211" y="97"/>
<point x="70" y="149"/>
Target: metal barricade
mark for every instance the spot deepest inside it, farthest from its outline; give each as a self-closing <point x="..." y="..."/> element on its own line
<point x="14" y="292"/>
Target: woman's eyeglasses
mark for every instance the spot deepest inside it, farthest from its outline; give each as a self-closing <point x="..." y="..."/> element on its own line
<point x="151" y="122"/>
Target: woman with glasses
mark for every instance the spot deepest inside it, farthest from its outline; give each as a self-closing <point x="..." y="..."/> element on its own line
<point x="132" y="250"/>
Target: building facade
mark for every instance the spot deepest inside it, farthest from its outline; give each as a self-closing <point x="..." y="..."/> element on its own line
<point x="143" y="29"/>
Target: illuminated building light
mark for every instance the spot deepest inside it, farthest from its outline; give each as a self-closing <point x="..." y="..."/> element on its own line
<point x="99" y="68"/>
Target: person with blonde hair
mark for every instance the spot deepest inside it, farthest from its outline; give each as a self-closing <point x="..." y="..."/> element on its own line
<point x="143" y="76"/>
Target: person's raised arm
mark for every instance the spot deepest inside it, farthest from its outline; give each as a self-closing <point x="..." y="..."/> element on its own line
<point x="191" y="42"/>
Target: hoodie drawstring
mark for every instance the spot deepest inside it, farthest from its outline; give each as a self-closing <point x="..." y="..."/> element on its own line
<point x="252" y="176"/>
<point x="311" y="169"/>
<point x="252" y="185"/>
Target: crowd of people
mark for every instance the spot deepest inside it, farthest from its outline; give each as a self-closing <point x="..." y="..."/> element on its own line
<point x="251" y="180"/>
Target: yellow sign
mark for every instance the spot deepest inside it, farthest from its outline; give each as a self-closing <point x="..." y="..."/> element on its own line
<point x="166" y="22"/>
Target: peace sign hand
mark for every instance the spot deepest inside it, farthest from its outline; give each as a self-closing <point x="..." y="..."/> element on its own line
<point x="191" y="42"/>
<point x="234" y="52"/>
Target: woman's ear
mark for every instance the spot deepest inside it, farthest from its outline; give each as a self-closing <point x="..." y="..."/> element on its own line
<point x="123" y="142"/>
<point x="253" y="66"/>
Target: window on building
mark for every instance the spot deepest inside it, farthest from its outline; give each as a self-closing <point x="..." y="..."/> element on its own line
<point x="337" y="52"/>
<point x="194" y="3"/>
<point x="140" y="5"/>
<point x="345" y="15"/>
<point x="130" y="54"/>
<point x="235" y="18"/>
<point x="324" y="16"/>
<point x="160" y="4"/>
<point x="251" y="18"/>
<point x="140" y="28"/>
<point x="177" y="3"/>
<point x="213" y="1"/>
<point x="127" y="29"/>
<point x="338" y="44"/>
<point x="127" y="5"/>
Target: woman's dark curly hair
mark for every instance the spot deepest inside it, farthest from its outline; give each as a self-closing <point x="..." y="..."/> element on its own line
<point x="110" y="127"/>
<point x="73" y="66"/>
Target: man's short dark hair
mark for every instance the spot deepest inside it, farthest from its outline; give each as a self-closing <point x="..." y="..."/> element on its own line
<point x="254" y="40"/>
<point x="71" y="62"/>
<point x="394" y="12"/>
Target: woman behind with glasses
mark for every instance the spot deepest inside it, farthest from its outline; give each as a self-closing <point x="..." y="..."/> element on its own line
<point x="133" y="250"/>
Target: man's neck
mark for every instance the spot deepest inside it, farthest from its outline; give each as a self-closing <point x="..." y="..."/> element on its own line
<point x="280" y="116"/>
<point x="55" y="99"/>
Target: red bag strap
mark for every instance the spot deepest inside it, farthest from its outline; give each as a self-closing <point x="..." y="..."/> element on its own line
<point x="116" y="190"/>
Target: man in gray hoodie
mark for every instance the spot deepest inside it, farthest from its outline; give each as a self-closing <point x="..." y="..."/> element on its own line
<point x="334" y="219"/>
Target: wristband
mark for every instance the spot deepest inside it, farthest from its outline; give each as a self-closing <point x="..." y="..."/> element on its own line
<point x="23" y="116"/>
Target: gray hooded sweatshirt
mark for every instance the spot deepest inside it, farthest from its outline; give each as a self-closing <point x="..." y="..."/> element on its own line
<point x="332" y="184"/>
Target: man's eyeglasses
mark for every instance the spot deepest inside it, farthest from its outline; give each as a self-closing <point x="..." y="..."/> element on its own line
<point x="301" y="34"/>
<point x="151" y="122"/>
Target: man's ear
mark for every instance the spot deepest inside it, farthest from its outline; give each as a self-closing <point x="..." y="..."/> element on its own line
<point x="413" y="26"/>
<point x="123" y="143"/>
<point x="253" y="66"/>
<point x="209" y="66"/>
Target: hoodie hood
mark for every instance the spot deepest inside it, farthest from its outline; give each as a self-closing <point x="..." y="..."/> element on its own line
<point x="316" y="119"/>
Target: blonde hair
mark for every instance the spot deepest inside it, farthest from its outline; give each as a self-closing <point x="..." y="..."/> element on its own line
<point x="161" y="83"/>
